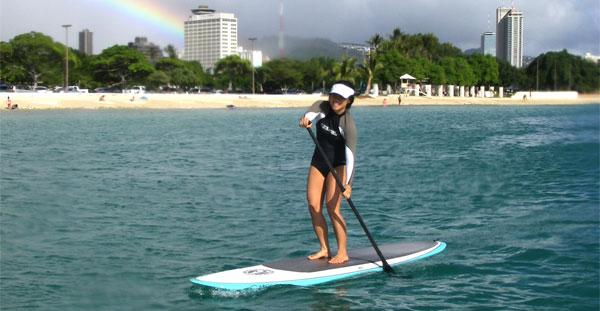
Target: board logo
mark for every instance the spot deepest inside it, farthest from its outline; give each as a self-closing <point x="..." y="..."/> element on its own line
<point x="258" y="271"/>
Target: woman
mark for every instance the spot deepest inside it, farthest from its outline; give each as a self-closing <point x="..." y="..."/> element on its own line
<point x="336" y="133"/>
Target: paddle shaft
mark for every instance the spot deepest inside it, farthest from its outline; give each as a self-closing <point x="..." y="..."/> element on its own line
<point x="386" y="267"/>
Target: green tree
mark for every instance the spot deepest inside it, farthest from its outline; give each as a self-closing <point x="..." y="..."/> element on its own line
<point x="181" y="73"/>
<point x="34" y="56"/>
<point x="282" y="74"/>
<point x="560" y="71"/>
<point x="396" y="40"/>
<point x="396" y="65"/>
<point x="510" y="75"/>
<point x="9" y="71"/>
<point x="168" y="64"/>
<point x="195" y="66"/>
<point x="485" y="69"/>
<point x="447" y="50"/>
<point x="120" y="65"/>
<point x="420" y="45"/>
<point x="315" y="72"/>
<point x="458" y="71"/>
<point x="184" y="78"/>
<point x="436" y="74"/>
<point x="157" y="79"/>
<point x="232" y="67"/>
<point x="260" y="78"/>
<point x="82" y="75"/>
<point x="171" y="51"/>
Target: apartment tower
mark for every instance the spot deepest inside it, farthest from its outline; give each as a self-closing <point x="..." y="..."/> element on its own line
<point x="488" y="43"/>
<point x="209" y="36"/>
<point x="509" y="35"/>
<point x="86" y="42"/>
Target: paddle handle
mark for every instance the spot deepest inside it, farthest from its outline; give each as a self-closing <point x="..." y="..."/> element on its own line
<point x="386" y="267"/>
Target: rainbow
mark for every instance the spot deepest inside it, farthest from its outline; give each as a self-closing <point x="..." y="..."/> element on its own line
<point x="151" y="13"/>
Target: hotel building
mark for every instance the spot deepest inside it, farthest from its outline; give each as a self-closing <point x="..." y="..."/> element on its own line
<point x="488" y="43"/>
<point x="509" y="36"/>
<point x="254" y="57"/>
<point x="152" y="51"/>
<point x="209" y="36"/>
<point x="86" y="42"/>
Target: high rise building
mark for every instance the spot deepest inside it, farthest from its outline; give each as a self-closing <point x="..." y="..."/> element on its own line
<point x="509" y="35"/>
<point x="86" y="42"/>
<point x="254" y="57"/>
<point x="149" y="49"/>
<point x="209" y="36"/>
<point x="488" y="43"/>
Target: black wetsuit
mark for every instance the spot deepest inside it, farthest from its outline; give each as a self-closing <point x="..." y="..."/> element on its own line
<point x="337" y="136"/>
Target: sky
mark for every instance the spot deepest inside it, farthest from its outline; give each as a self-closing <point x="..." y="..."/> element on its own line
<point x="549" y="25"/>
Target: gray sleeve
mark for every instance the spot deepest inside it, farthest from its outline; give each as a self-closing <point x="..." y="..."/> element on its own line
<point x="348" y="130"/>
<point x="316" y="112"/>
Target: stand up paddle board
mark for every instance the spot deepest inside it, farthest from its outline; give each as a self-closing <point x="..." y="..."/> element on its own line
<point x="304" y="272"/>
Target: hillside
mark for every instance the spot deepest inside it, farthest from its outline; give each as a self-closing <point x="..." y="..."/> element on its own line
<point x="302" y="48"/>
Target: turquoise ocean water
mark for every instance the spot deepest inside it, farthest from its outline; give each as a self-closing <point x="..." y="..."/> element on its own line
<point x="118" y="209"/>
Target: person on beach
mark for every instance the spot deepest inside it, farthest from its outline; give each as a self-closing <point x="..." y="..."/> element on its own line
<point x="8" y="102"/>
<point x="336" y="133"/>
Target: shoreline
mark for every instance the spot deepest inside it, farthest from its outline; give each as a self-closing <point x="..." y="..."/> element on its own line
<point x="215" y="101"/>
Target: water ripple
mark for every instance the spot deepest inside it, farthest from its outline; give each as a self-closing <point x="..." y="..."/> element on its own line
<point x="116" y="210"/>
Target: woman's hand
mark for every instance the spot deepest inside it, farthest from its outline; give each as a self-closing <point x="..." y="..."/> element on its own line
<point x="347" y="191"/>
<point x="305" y="123"/>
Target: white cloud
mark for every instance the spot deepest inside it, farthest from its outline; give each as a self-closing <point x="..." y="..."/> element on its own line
<point x="549" y="25"/>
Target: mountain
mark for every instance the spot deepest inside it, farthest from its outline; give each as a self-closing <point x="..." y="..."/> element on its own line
<point x="303" y="48"/>
<point x="472" y="51"/>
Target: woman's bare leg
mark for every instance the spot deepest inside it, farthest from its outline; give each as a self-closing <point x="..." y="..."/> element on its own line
<point x="315" y="192"/>
<point x="334" y="201"/>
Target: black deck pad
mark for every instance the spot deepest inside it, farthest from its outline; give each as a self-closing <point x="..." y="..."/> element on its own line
<point x="357" y="257"/>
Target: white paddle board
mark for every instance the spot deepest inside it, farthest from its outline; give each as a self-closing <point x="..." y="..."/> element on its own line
<point x="304" y="272"/>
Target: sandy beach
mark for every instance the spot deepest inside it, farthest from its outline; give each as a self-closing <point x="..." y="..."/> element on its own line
<point x="198" y="101"/>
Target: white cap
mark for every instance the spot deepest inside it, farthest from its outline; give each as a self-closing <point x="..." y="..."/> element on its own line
<point x="342" y="90"/>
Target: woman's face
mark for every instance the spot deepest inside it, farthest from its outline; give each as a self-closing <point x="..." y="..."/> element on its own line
<point x="338" y="103"/>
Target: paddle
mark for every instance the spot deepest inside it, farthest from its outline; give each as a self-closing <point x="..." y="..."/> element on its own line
<point x="386" y="267"/>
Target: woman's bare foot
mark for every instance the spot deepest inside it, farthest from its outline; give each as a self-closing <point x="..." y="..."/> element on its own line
<point x="321" y="254"/>
<point x="339" y="259"/>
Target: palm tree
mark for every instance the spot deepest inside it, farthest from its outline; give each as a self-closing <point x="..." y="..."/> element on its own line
<point x="396" y="39"/>
<point x="346" y="70"/>
<point x="375" y="42"/>
<point x="369" y="68"/>
<point x="171" y="51"/>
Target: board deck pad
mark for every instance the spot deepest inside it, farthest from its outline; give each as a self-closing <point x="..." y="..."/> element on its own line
<point x="357" y="257"/>
<point x="304" y="272"/>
